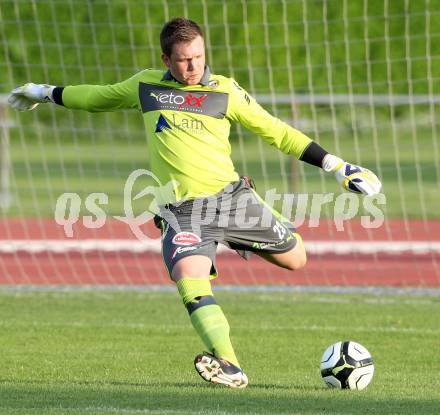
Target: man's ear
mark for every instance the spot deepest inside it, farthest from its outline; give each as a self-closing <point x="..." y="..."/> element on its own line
<point x="166" y="60"/>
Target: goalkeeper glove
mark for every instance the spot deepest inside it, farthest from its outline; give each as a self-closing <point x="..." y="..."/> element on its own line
<point x="353" y="178"/>
<point x="28" y="96"/>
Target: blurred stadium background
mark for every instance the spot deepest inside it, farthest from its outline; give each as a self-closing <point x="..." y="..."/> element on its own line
<point x="360" y="77"/>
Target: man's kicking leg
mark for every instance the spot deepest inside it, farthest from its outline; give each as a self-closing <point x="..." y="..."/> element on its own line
<point x="219" y="365"/>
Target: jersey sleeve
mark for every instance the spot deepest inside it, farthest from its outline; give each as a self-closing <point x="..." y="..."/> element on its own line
<point x="244" y="109"/>
<point x="99" y="98"/>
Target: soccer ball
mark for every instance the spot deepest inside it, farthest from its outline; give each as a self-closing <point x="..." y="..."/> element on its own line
<point x="347" y="365"/>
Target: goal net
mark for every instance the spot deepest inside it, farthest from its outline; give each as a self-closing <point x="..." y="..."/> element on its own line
<point x="361" y="78"/>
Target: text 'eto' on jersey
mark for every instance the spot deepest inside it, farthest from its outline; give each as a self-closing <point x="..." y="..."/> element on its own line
<point x="156" y="98"/>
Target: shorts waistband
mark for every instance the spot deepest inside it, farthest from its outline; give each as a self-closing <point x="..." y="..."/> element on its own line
<point x="188" y="204"/>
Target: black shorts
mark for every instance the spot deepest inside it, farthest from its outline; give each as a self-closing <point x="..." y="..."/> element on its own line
<point x="236" y="217"/>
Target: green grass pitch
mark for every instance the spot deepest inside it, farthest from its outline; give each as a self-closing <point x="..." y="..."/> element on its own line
<point x="110" y="352"/>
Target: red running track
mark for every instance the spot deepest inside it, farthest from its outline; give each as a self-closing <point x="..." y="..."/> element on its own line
<point x="129" y="268"/>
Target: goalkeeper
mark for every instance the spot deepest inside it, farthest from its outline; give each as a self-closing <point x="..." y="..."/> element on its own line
<point x="187" y="112"/>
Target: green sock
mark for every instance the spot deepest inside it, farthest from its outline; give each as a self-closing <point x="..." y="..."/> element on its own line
<point x="208" y="320"/>
<point x="213" y="328"/>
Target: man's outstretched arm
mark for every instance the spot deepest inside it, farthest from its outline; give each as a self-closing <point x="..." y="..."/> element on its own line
<point x="244" y="109"/>
<point x="92" y="98"/>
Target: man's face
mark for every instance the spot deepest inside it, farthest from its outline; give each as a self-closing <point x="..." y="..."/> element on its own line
<point x="187" y="61"/>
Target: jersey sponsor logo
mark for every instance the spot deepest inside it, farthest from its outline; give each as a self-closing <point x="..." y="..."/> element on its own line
<point x="265" y="245"/>
<point x="191" y="125"/>
<point x="156" y="98"/>
<point x="193" y="101"/>
<point x="188" y="99"/>
<point x="182" y="249"/>
<point x="161" y="124"/>
<point x="186" y="238"/>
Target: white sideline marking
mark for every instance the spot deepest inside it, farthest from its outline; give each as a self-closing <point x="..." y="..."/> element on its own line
<point x="117" y="410"/>
<point x="107" y="409"/>
<point x="370" y="247"/>
<point x="267" y="290"/>
<point x="34" y="246"/>
<point x="372" y="290"/>
<point x="180" y="328"/>
<point x="399" y="330"/>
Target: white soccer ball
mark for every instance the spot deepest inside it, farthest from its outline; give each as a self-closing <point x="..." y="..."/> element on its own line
<point x="347" y="365"/>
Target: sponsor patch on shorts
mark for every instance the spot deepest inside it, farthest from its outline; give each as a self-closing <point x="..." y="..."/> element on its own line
<point x="186" y="238"/>
<point x="182" y="249"/>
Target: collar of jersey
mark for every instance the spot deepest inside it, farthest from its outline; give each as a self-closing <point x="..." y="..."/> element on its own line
<point x="204" y="81"/>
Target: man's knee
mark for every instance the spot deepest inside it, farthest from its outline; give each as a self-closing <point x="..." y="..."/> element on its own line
<point x="296" y="258"/>
<point x="291" y="260"/>
<point x="297" y="261"/>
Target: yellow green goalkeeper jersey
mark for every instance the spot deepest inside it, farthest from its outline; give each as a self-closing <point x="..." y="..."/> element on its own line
<point x="188" y="126"/>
